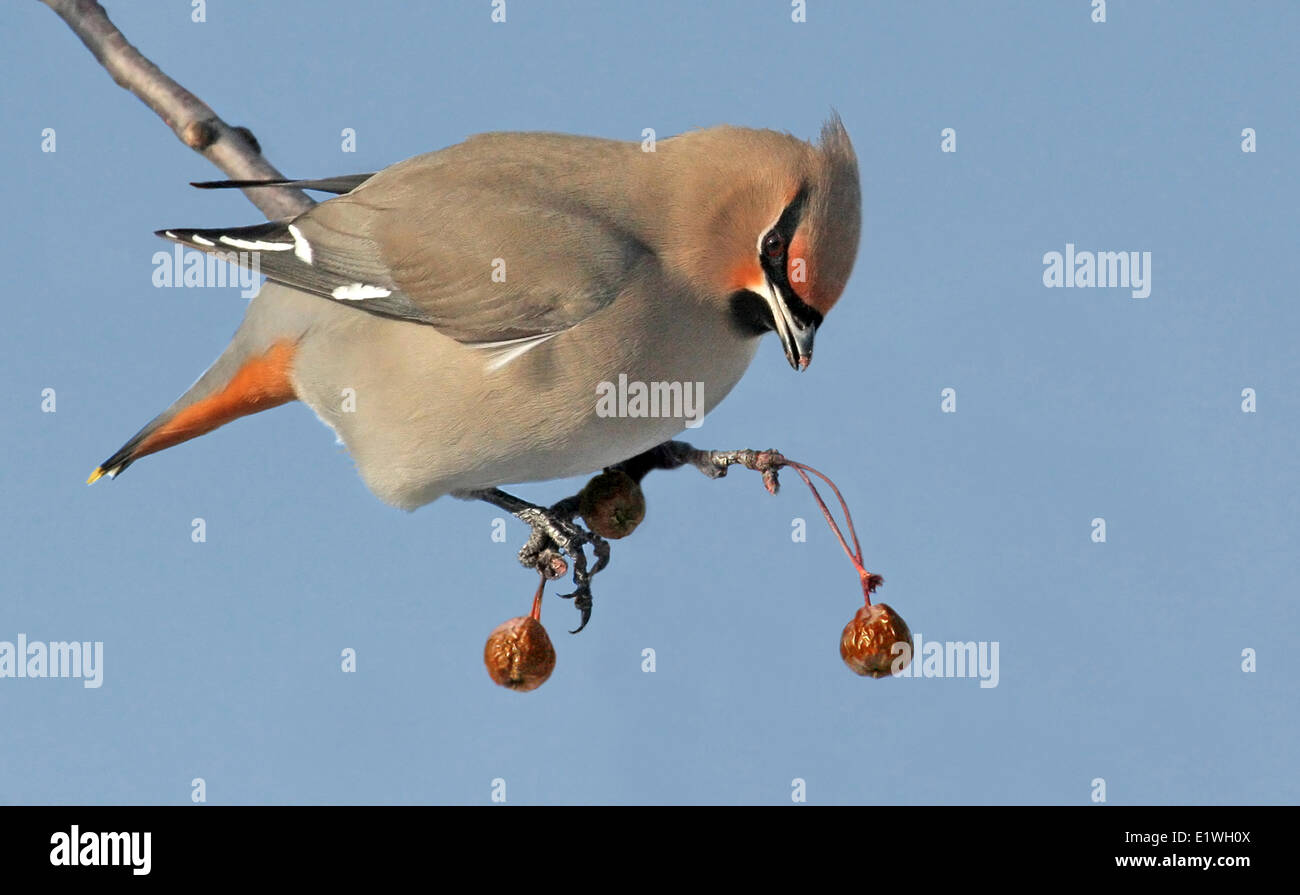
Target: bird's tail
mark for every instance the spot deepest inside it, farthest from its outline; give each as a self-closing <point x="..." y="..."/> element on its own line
<point x="251" y="375"/>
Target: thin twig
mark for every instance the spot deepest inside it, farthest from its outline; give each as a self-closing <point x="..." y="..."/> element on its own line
<point x="232" y="149"/>
<point x="714" y="464"/>
<point x="856" y="552"/>
<point x="830" y="520"/>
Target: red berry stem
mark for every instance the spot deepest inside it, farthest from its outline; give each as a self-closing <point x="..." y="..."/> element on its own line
<point x="803" y="467"/>
<point x="869" y="581"/>
<point x="537" y="600"/>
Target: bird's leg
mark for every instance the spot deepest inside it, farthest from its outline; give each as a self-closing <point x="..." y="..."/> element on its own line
<point x="714" y="464"/>
<point x="553" y="532"/>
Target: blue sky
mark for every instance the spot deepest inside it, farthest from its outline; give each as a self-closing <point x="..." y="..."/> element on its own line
<point x="1119" y="660"/>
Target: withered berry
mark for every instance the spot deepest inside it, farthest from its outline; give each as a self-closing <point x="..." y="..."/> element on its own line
<point x="612" y="504"/>
<point x="519" y="654"/>
<point x="867" y="644"/>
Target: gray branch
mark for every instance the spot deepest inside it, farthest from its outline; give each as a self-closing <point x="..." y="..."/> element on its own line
<point x="232" y="149"/>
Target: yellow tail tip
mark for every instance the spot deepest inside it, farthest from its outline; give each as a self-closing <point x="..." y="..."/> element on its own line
<point x="96" y="475"/>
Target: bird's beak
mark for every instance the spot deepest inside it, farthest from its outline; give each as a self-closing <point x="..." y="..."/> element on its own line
<point x="796" y="337"/>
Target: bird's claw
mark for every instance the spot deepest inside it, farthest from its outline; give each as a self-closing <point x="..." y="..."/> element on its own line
<point x="582" y="602"/>
<point x="555" y="533"/>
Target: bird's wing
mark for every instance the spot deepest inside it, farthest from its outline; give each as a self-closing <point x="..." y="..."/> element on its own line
<point x="484" y="253"/>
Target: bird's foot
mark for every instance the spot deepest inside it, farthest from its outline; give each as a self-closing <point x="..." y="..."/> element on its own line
<point x="714" y="464"/>
<point x="555" y="535"/>
<point x="555" y="532"/>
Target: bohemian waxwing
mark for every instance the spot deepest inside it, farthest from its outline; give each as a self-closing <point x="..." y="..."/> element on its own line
<point x="453" y="317"/>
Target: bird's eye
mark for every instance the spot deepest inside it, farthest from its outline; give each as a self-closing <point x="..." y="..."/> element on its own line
<point x="773" y="245"/>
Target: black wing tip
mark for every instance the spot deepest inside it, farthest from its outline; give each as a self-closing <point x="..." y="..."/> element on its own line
<point x="345" y="183"/>
<point x="206" y="239"/>
<point x="182" y="235"/>
<point x="236" y="184"/>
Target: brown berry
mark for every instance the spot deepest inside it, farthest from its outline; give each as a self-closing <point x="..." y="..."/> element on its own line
<point x="612" y="504"/>
<point x="867" y="644"/>
<point x="519" y="654"/>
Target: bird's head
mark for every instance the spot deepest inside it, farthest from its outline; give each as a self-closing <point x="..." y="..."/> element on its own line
<point x="783" y="235"/>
